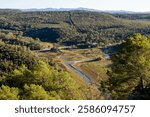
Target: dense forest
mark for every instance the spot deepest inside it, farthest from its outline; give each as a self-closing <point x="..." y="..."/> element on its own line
<point x="79" y="28"/>
<point x="24" y="74"/>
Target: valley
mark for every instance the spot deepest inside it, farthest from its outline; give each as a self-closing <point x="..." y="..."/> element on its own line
<point x="74" y="55"/>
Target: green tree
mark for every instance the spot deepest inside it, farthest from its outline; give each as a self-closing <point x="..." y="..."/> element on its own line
<point x="7" y="93"/>
<point x="36" y="92"/>
<point x="49" y="82"/>
<point x="10" y="35"/>
<point x="131" y="68"/>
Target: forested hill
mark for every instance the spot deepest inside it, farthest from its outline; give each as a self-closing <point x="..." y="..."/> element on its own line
<point x="75" y="27"/>
<point x="28" y="74"/>
<point x="32" y="75"/>
<point x="138" y="16"/>
<point x="25" y="75"/>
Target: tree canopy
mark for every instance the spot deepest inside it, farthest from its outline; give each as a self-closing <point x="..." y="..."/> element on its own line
<point x="130" y="72"/>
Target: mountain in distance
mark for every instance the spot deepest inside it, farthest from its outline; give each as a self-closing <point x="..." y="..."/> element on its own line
<point x="79" y="9"/>
<point x="73" y="9"/>
<point x="59" y="9"/>
<point x="10" y="10"/>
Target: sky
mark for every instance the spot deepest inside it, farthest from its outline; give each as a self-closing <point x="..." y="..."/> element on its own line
<point x="128" y="5"/>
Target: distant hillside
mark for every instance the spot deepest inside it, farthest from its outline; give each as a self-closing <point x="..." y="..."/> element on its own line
<point x="80" y="28"/>
<point x="10" y="10"/>
<point x="137" y="16"/>
<point x="79" y="9"/>
<point x="59" y="9"/>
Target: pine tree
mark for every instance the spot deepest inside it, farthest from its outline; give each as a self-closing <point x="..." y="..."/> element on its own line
<point x="131" y="68"/>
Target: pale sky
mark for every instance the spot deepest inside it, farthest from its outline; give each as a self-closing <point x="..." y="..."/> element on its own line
<point x="129" y="5"/>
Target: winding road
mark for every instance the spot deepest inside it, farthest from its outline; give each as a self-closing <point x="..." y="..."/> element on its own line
<point x="77" y="71"/>
<point x="69" y="64"/>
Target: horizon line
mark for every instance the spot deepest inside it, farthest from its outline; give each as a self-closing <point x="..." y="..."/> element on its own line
<point x="84" y="8"/>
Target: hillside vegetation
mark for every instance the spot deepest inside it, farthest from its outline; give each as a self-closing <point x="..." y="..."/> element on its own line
<point x="34" y="49"/>
<point x="130" y="72"/>
<point x="79" y="28"/>
<point x="25" y="75"/>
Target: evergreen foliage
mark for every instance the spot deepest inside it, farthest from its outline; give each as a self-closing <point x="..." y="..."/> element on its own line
<point x="130" y="72"/>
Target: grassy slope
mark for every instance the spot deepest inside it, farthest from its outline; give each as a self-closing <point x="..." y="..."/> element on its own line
<point x="91" y="90"/>
<point x="96" y="69"/>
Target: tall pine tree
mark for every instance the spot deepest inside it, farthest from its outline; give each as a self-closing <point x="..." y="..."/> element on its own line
<point x="130" y="72"/>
